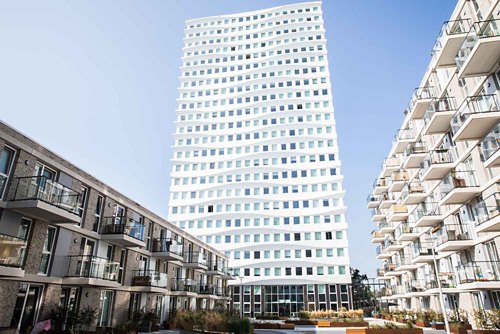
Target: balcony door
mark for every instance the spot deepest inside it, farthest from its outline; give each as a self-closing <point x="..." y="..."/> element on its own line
<point x="27" y="306"/>
<point x="6" y="161"/>
<point x="87" y="248"/>
<point x="119" y="213"/>
<point x="44" y="176"/>
<point x="106" y="308"/>
<point x="493" y="263"/>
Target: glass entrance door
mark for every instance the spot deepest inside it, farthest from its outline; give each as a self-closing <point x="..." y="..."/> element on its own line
<point x="27" y="306"/>
<point x="106" y="304"/>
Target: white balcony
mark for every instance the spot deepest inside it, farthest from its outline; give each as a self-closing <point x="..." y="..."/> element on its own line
<point x="437" y="164"/>
<point x="476" y="117"/>
<point x="426" y="214"/>
<point x="397" y="181"/>
<point x="453" y="237"/>
<point x="397" y="212"/>
<point x="377" y="237"/>
<point x="419" y="102"/>
<point x="377" y="215"/>
<point x="480" y="50"/>
<point x="438" y="116"/>
<point x="459" y="187"/>
<point x="449" y="41"/>
<point x="413" y="193"/>
<point x="403" y="138"/>
<point x="380" y="186"/>
<point x="414" y="155"/>
<point x="487" y="214"/>
<point x="385" y="227"/>
<point x="489" y="148"/>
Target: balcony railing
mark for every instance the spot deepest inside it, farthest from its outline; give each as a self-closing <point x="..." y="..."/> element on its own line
<point x="185" y="285"/>
<point x="473" y="105"/>
<point x="373" y="198"/>
<point x="490" y="143"/>
<point x="44" y="189"/>
<point x="479" y="271"/>
<point x="123" y="225"/>
<point x="457" y="179"/>
<point x="487" y="209"/>
<point x="377" y="235"/>
<point x="380" y="272"/>
<point x="421" y="93"/>
<point x="437" y="157"/>
<point x="89" y="266"/>
<point x="168" y="245"/>
<point x="11" y="251"/>
<point x="196" y="258"/>
<point x="421" y="249"/>
<point x="405" y="228"/>
<point x="414" y="187"/>
<point x="149" y="278"/>
<point x="450" y="28"/>
<point x="206" y="289"/>
<point x="216" y="266"/>
<point x="479" y="30"/>
<point x="405" y="134"/>
<point x="452" y="232"/>
<point x="440" y="105"/>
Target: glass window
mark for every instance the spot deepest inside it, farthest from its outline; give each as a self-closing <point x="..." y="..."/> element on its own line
<point x="48" y="247"/>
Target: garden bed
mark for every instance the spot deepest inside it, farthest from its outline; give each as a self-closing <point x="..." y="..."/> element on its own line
<point x="486" y="331"/>
<point x="327" y="323"/>
<point x="384" y="331"/>
<point x="272" y="325"/>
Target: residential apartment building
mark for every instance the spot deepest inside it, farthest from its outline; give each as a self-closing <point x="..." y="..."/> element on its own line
<point x="67" y="239"/>
<point x="437" y="196"/>
<point x="256" y="171"/>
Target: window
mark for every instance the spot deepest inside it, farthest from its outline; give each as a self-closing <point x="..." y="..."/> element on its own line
<point x="98" y="213"/>
<point x="6" y="160"/>
<point x="328" y="235"/>
<point x="48" y="247"/>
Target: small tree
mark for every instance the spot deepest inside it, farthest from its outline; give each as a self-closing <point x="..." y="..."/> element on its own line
<point x="73" y="320"/>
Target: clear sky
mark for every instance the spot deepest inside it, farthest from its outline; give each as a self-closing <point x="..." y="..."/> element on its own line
<point x="96" y="82"/>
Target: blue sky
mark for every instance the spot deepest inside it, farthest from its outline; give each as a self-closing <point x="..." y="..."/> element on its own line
<point x="97" y="83"/>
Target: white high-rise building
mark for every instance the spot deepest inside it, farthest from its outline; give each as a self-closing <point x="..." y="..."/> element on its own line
<point x="256" y="170"/>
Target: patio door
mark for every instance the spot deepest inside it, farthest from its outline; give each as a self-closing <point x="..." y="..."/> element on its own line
<point x="106" y="308"/>
<point x="87" y="247"/>
<point x="27" y="306"/>
<point x="494" y="260"/>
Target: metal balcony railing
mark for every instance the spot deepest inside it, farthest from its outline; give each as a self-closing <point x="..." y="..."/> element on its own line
<point x="123" y="225"/>
<point x="49" y="191"/>
<point x="457" y="179"/>
<point x="437" y="157"/>
<point x="89" y="266"/>
<point x="11" y="251"/>
<point x="195" y="257"/>
<point x="147" y="277"/>
<point x="487" y="209"/>
<point x="421" y="93"/>
<point x="490" y="144"/>
<point x="450" y="28"/>
<point x="185" y="284"/>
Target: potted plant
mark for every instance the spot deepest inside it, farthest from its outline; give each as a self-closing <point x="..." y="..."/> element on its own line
<point x="486" y="321"/>
<point x="458" y="321"/>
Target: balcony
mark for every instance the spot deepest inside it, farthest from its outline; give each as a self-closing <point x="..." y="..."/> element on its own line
<point x="184" y="286"/>
<point x="382" y="253"/>
<point x="489" y="148"/>
<point x="123" y="231"/>
<point x="413" y="193"/>
<point x="390" y="270"/>
<point x="458" y="187"/>
<point x="380" y="186"/>
<point x="391" y="165"/>
<point x="476" y="117"/>
<point x="213" y="290"/>
<point x="419" y="102"/>
<point x="373" y="201"/>
<point x="397" y="212"/>
<point x="426" y="214"/>
<point x="480" y="50"/>
<point x="403" y="138"/>
<point x="168" y="249"/>
<point x="449" y="41"/>
<point x="397" y="181"/>
<point x="385" y="227"/>
<point x="438" y="163"/>
<point x="393" y="245"/>
<point x="421" y="253"/>
<point x="406" y="232"/>
<point x="417" y="287"/>
<point x="11" y="256"/>
<point x="414" y="155"/>
<point x="479" y="275"/>
<point x="404" y="263"/>
<point x="216" y="268"/>
<point x="377" y="236"/>
<point x="388" y="199"/>
<point x="453" y="237"/>
<point x="438" y="116"/>
<point x="91" y="270"/>
<point x="377" y="215"/>
<point x="42" y="198"/>
<point x="381" y="274"/>
<point x="150" y="280"/>
<point x="195" y="260"/>
<point x="487" y="214"/>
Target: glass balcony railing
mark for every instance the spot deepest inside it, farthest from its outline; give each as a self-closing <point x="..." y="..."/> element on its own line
<point x="421" y="249"/>
<point x="416" y="148"/>
<point x="404" y="228"/>
<point x="146" y="277"/>
<point x="123" y="225"/>
<point x="373" y="199"/>
<point x="12" y="251"/>
<point x="168" y="245"/>
<point x="487" y="209"/>
<point x="46" y="190"/>
<point x="389" y="267"/>
<point x="424" y="209"/>
<point x="473" y="105"/>
<point x="377" y="235"/>
<point x="380" y="183"/>
<point x="89" y="266"/>
<point x="207" y="289"/>
<point x="216" y="266"/>
<point x="377" y="212"/>
<point x="195" y="258"/>
<point x="414" y="187"/>
<point x="490" y="144"/>
<point x="380" y="272"/>
<point x="437" y="157"/>
<point x="184" y="284"/>
<point x="457" y="179"/>
<point x="421" y="93"/>
<point x="450" y="28"/>
<point x="405" y="134"/>
<point x="384" y="224"/>
<point x="452" y="232"/>
<point x="478" y="271"/>
<point x="479" y="30"/>
<point x="440" y="105"/>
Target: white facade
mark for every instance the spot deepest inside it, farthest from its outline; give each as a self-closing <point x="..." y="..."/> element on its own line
<point x="438" y="191"/>
<point x="256" y="171"/>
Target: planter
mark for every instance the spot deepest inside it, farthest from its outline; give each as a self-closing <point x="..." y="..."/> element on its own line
<point x="319" y="323"/>
<point x="384" y="331"/>
<point x="486" y="331"/>
<point x="438" y="326"/>
<point x="349" y="324"/>
<point x="458" y="330"/>
<point x="271" y="325"/>
<point x="423" y="324"/>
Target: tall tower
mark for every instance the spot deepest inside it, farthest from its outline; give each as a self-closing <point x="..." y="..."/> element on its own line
<point x="256" y="170"/>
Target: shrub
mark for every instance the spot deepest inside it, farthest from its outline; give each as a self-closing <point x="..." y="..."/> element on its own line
<point x="487" y="319"/>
